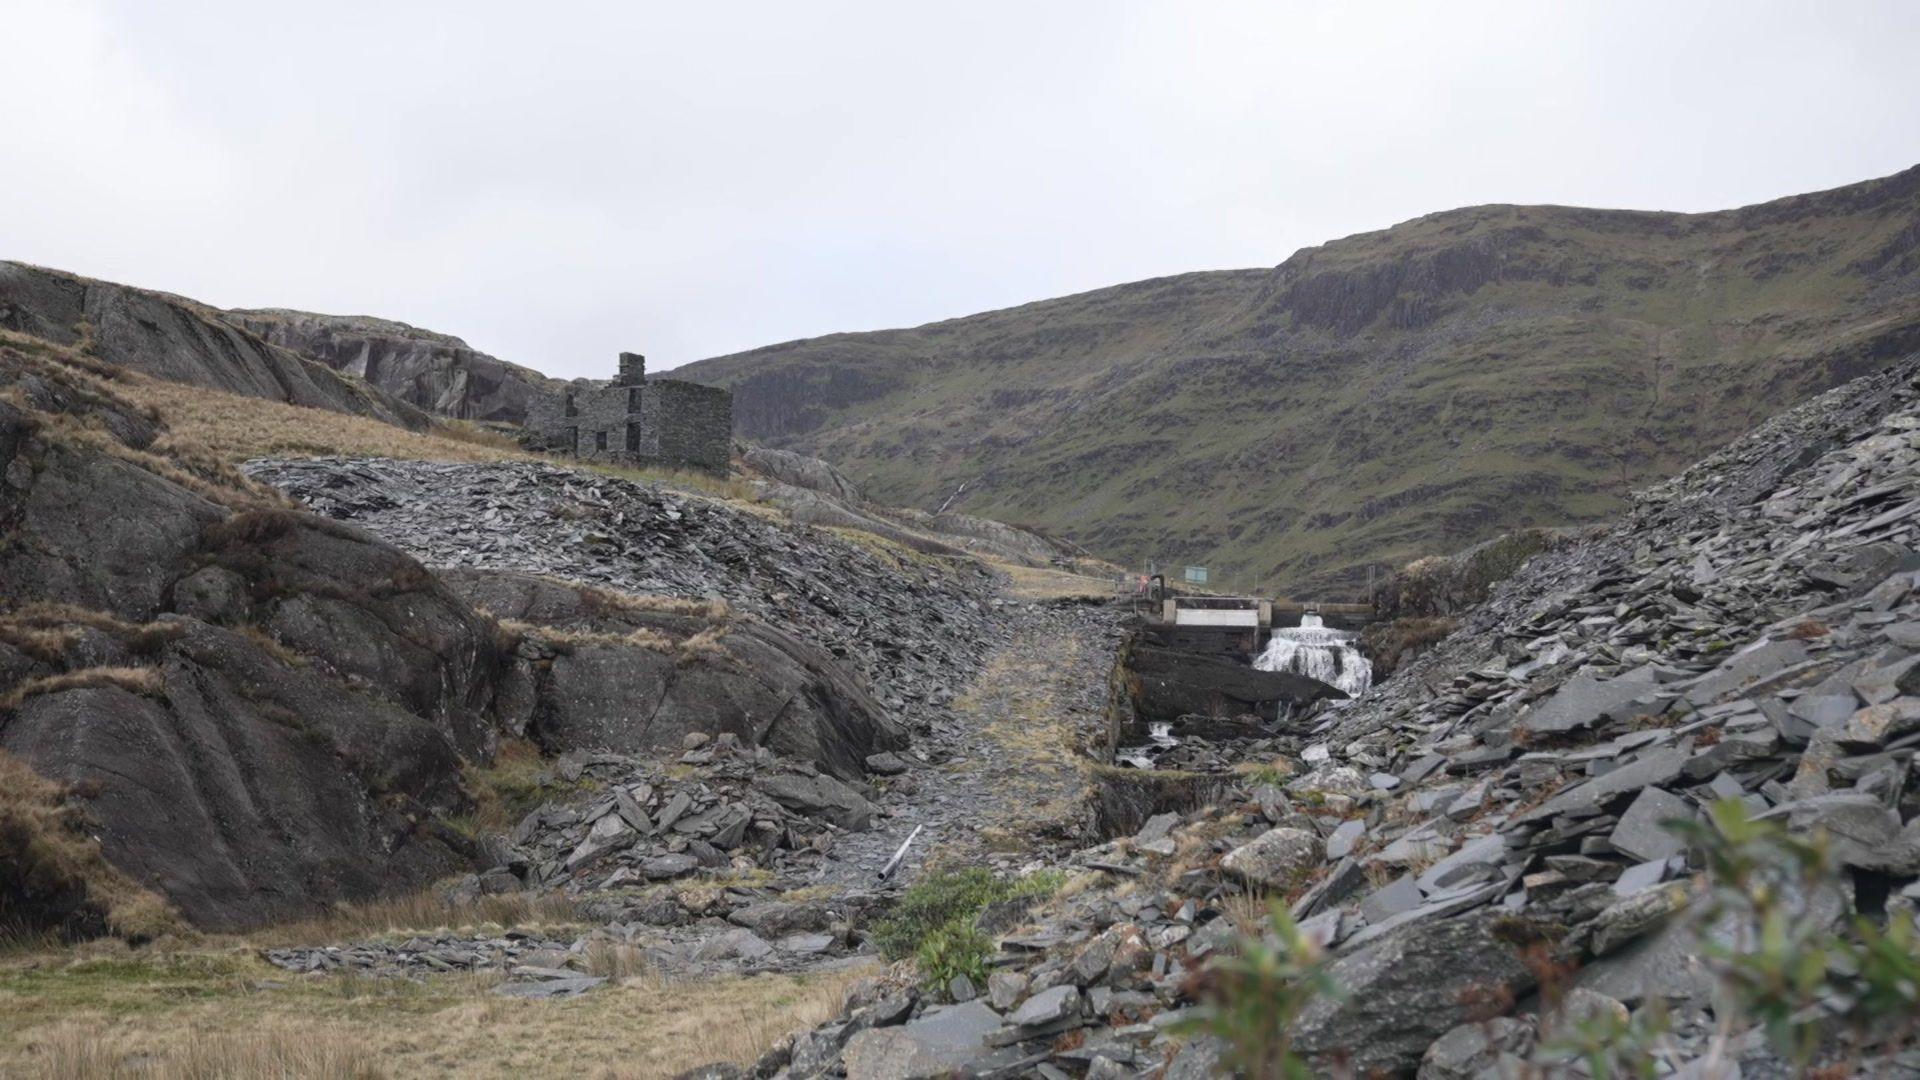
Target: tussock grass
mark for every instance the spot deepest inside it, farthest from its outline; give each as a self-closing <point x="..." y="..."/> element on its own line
<point x="45" y="851"/>
<point x="602" y="603"/>
<point x="1047" y="583"/>
<point x="724" y="488"/>
<point x="704" y="645"/>
<point x="615" y="960"/>
<point x="288" y="1049"/>
<point x="234" y="427"/>
<point x="422" y="912"/>
<point x="189" y="1015"/>
<point x="50" y="632"/>
<point x="507" y="788"/>
<point x="566" y="641"/>
<point x="145" y="681"/>
<point x="892" y="552"/>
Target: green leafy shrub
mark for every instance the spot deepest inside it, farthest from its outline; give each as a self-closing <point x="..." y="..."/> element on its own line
<point x="934" y="920"/>
<point x="956" y="948"/>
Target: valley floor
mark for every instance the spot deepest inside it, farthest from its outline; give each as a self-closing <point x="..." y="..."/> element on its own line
<point x="1004" y="784"/>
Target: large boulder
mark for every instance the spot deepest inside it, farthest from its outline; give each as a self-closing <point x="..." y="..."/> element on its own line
<point x="1279" y="859"/>
<point x="1402" y="992"/>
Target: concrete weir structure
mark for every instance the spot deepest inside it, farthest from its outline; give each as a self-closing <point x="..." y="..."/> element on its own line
<point x="636" y="421"/>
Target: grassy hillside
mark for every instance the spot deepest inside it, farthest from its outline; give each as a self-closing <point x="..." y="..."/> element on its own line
<point x="1384" y="396"/>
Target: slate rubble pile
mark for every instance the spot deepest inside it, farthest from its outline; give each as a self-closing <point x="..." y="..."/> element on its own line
<point x="916" y="628"/>
<point x="731" y="931"/>
<point x="726" y="808"/>
<point x="1750" y="632"/>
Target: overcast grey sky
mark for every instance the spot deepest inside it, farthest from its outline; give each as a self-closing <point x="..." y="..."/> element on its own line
<point x="558" y="181"/>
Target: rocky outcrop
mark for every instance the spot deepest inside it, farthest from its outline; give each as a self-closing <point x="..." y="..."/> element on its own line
<point x="262" y="711"/>
<point x="176" y="339"/>
<point x="801" y="471"/>
<point x="600" y="671"/>
<point x="438" y="373"/>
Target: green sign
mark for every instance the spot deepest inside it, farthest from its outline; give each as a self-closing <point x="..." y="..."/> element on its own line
<point x="1196" y="575"/>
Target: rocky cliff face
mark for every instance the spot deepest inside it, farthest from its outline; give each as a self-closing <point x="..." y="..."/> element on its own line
<point x="437" y="373"/>
<point x="1375" y="399"/>
<point x="258" y="711"/>
<point x="179" y="340"/>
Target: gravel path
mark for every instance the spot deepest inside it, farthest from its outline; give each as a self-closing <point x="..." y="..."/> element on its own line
<point x="1004" y="775"/>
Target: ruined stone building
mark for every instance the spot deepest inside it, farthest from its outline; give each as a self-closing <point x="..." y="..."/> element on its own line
<point x="634" y="421"/>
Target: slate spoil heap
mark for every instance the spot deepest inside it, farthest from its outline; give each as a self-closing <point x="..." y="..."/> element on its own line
<point x="916" y="631"/>
<point x="1750" y="632"/>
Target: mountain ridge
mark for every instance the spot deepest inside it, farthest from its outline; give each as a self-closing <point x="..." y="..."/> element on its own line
<point x="1448" y="356"/>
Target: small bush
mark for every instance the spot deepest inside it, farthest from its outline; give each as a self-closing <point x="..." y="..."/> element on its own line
<point x="957" y="948"/>
<point x="506" y="789"/>
<point x="934" y="920"/>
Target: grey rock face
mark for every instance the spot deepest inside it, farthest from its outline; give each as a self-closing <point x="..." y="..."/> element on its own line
<point x="621" y="693"/>
<point x="433" y="372"/>
<point x="1642" y="832"/>
<point x="938" y="1043"/>
<point x="245" y="783"/>
<point x="593" y="530"/>
<point x="1047" y="1006"/>
<point x="180" y="341"/>
<point x="1497" y="1047"/>
<point x="800" y="471"/>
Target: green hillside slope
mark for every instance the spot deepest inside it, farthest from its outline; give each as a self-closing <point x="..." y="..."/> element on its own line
<point x="1383" y="396"/>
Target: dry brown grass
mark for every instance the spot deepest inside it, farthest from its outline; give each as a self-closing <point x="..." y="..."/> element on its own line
<point x="615" y="960"/>
<point x="601" y="602"/>
<point x="890" y="551"/>
<point x="420" y="913"/>
<point x="146" y="681"/>
<point x="44" y="848"/>
<point x="737" y="493"/>
<point x="235" y="427"/>
<point x="205" y="1014"/>
<point x="704" y="645"/>
<point x="285" y="1050"/>
<point x="99" y="387"/>
<point x="1047" y="583"/>
<point x="50" y="632"/>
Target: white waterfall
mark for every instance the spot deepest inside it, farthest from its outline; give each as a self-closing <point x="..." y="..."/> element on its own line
<point x="1312" y="650"/>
